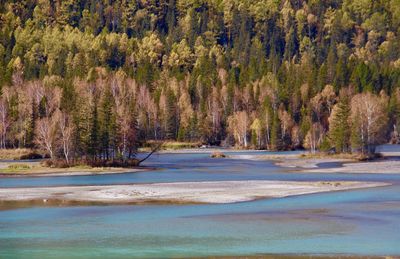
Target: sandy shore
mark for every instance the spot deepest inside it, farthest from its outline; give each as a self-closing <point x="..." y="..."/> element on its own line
<point x="76" y="172"/>
<point x="296" y="163"/>
<point x="180" y="192"/>
<point x="207" y="150"/>
<point x="372" y="167"/>
<point x="35" y="169"/>
<point x="94" y="171"/>
<point x="309" y="163"/>
<point x="312" y="165"/>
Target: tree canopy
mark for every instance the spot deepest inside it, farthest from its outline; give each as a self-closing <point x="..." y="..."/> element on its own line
<point x="120" y="72"/>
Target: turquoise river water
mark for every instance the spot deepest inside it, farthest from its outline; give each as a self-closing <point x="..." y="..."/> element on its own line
<point x="357" y="222"/>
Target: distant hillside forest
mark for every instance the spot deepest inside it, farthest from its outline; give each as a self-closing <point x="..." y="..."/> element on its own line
<point x="97" y="78"/>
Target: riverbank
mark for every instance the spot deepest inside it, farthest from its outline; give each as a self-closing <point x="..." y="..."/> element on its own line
<point x="341" y="165"/>
<point x="179" y="192"/>
<point x="208" y="150"/>
<point x="34" y="168"/>
<point x="387" y="166"/>
<point x="292" y="161"/>
<point x="330" y="163"/>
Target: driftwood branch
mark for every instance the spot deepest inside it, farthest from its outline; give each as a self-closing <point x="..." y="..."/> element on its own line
<point x="155" y="149"/>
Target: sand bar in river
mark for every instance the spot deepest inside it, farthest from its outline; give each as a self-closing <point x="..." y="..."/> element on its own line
<point x="180" y="192"/>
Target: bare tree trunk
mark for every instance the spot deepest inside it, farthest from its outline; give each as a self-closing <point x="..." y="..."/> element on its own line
<point x="268" y="137"/>
<point x="155" y="149"/>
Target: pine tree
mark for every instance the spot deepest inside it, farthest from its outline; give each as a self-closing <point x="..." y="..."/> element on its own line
<point x="93" y="134"/>
<point x="229" y="47"/>
<point x="339" y="126"/>
<point x="181" y="134"/>
<point x="30" y="134"/>
<point x="340" y="74"/>
<point x="42" y="107"/>
<point x="331" y="64"/>
<point x="193" y="128"/>
<point x="3" y="70"/>
<point x="357" y="143"/>
<point x="169" y="112"/>
<point x="107" y="125"/>
<point x="276" y="134"/>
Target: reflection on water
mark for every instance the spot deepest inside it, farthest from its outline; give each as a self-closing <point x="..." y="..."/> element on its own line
<point x="361" y="222"/>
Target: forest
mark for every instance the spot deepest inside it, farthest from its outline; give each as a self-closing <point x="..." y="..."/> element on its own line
<point x="97" y="79"/>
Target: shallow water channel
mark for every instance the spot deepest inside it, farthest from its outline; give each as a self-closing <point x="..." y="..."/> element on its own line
<point x="356" y="222"/>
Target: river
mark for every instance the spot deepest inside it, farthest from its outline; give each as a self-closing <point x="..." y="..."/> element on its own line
<point x="356" y="222"/>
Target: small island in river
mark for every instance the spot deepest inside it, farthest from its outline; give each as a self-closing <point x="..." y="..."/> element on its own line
<point x="178" y="192"/>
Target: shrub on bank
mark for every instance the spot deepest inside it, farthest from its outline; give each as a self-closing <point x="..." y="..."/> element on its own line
<point x="85" y="163"/>
<point x="18" y="167"/>
<point x="218" y="154"/>
<point x="354" y="156"/>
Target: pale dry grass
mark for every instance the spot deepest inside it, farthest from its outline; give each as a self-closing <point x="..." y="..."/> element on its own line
<point x="15" y="154"/>
<point x="171" y="145"/>
<point x="37" y="169"/>
<point x="346" y="156"/>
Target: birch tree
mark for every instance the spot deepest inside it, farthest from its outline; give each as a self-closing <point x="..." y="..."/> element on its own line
<point x="238" y="125"/>
<point x="369" y="111"/>
<point x="46" y="135"/>
<point x="4" y="123"/>
<point x="66" y="130"/>
<point x="314" y="137"/>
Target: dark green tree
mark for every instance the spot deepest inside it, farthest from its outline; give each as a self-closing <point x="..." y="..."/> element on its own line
<point x="340" y="129"/>
<point x="276" y="133"/>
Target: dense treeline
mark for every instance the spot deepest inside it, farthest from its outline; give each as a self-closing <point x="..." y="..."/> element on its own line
<point x="95" y="78"/>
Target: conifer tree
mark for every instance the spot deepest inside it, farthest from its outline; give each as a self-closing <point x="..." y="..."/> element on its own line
<point x="276" y="134"/>
<point x="339" y="132"/>
<point x="191" y="65"/>
<point x="93" y="134"/>
<point x="30" y="135"/>
<point x="107" y="124"/>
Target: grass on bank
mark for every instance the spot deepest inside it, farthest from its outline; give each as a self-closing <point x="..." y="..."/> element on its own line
<point x="170" y="145"/>
<point x="22" y="161"/>
<point x="12" y="168"/>
<point x="347" y="156"/>
<point x="60" y="166"/>
<point x="19" y="154"/>
<point x="40" y="169"/>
